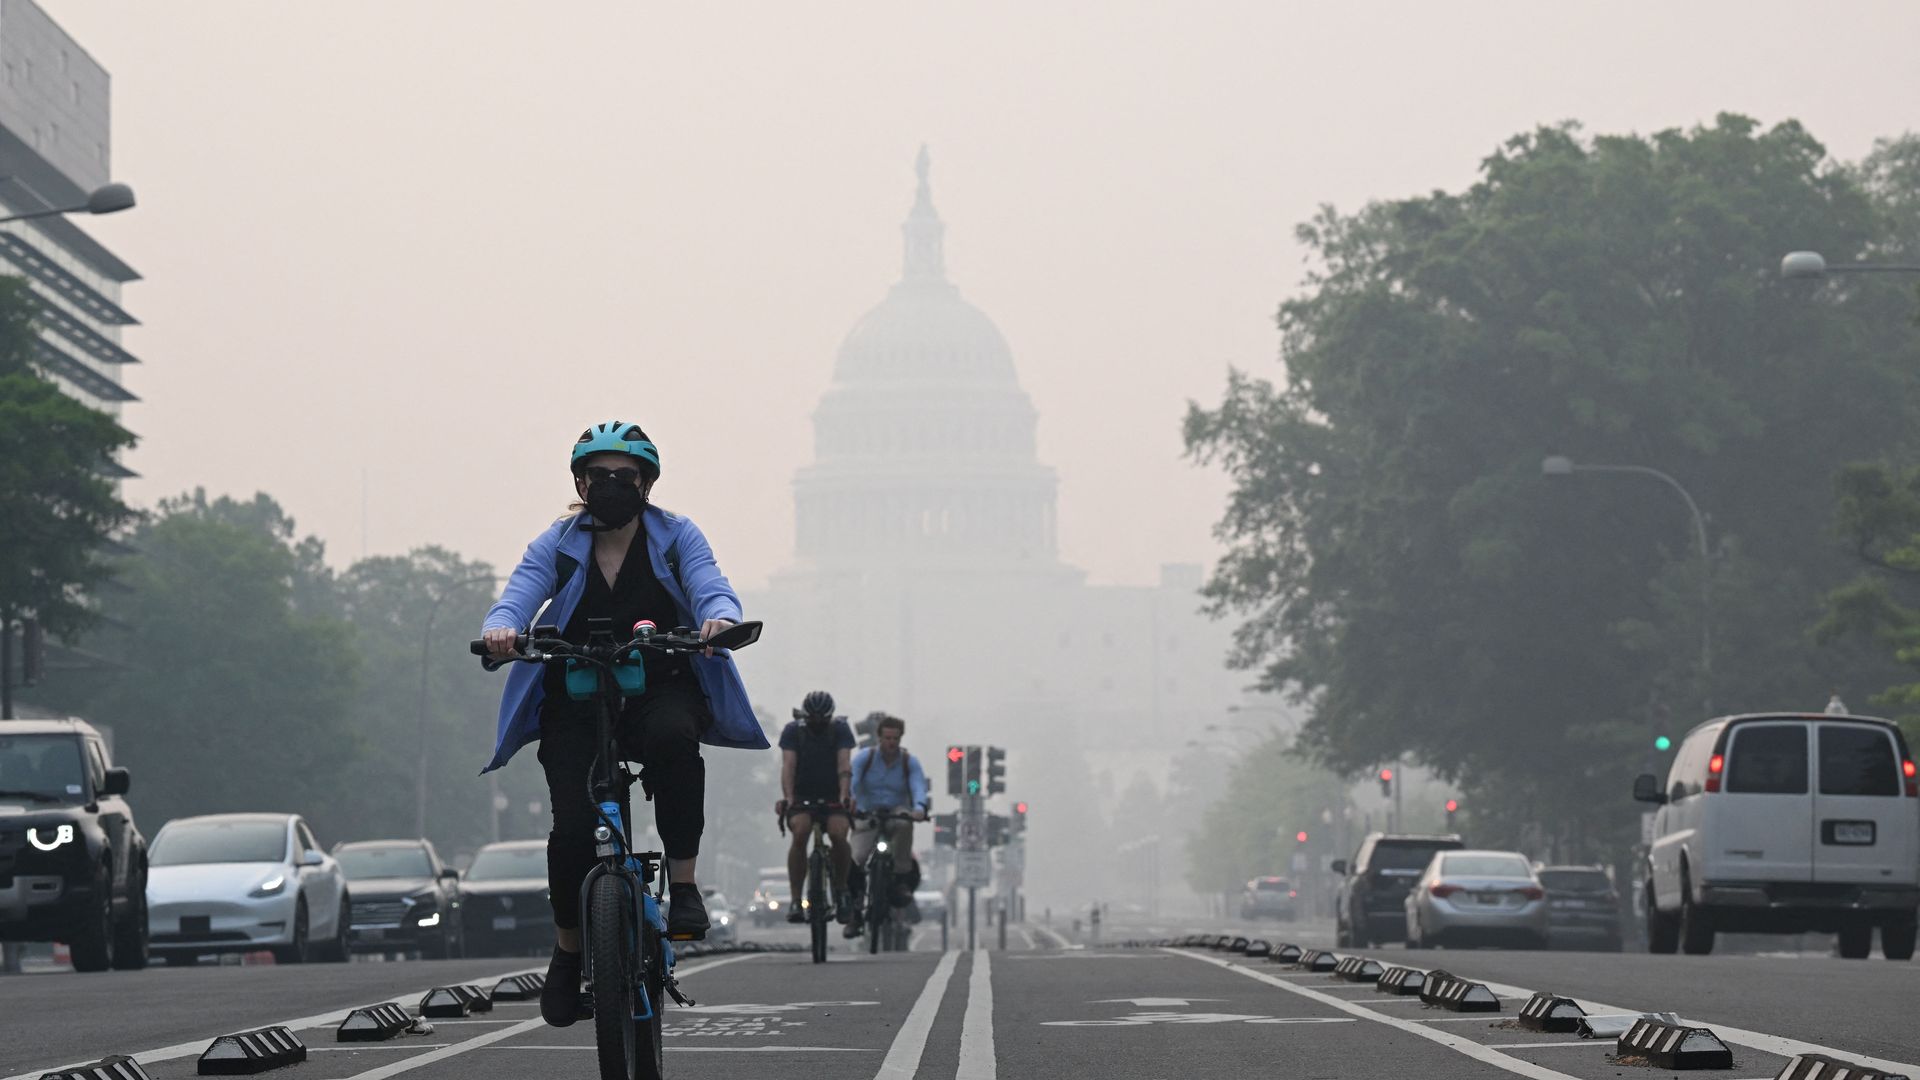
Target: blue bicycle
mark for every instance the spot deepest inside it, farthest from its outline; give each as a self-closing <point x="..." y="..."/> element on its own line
<point x="623" y="928"/>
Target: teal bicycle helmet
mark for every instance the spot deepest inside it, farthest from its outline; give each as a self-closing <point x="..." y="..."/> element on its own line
<point x="617" y="437"/>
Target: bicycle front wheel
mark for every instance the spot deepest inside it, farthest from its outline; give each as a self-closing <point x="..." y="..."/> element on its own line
<point x="611" y="940"/>
<point x="817" y="905"/>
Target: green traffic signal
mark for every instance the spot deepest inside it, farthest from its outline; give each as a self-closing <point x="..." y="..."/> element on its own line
<point x="973" y="787"/>
<point x="1662" y="743"/>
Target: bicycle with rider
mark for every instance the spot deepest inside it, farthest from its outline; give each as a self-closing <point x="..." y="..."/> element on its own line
<point x="816" y="751"/>
<point x="618" y="557"/>
<point x="886" y="778"/>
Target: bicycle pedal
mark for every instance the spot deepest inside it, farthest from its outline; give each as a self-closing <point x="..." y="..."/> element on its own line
<point x="673" y="988"/>
<point x="584" y="1010"/>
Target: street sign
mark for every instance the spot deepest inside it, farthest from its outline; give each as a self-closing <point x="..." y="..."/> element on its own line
<point x="973" y="833"/>
<point x="973" y="869"/>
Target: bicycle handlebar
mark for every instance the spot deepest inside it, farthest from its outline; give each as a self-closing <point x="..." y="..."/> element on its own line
<point x="545" y="645"/>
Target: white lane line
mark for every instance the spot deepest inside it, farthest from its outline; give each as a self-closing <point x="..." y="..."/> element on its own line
<point x="1059" y="939"/>
<point x="976" y="1027"/>
<point x="730" y="1049"/>
<point x="197" y="1047"/>
<point x="1455" y="1043"/>
<point x="1752" y="1040"/>
<point x="903" y="1057"/>
<point x="375" y="1046"/>
<point x="523" y="1026"/>
<point x="1542" y="1046"/>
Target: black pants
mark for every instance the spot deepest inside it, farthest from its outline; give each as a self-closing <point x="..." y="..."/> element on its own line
<point x="661" y="730"/>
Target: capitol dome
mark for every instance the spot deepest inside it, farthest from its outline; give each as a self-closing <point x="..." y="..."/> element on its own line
<point x="924" y="445"/>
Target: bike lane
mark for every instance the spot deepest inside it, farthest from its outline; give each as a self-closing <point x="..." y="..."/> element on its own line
<point x="1151" y="1014"/>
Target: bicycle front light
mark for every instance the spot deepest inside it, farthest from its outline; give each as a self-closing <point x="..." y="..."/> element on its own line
<point x="881" y="846"/>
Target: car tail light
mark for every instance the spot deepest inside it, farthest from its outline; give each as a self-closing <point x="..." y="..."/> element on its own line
<point x="1442" y="890"/>
<point x="1906" y="769"/>
<point x="1531" y="892"/>
<point x="1715" y="765"/>
<point x="1294" y="894"/>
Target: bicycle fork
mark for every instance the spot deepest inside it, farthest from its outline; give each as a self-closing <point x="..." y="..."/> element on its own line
<point x="633" y="872"/>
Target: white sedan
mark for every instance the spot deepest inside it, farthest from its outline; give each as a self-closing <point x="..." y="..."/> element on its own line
<point x="244" y="883"/>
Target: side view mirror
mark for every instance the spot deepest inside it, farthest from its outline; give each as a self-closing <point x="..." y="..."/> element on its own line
<point x="118" y="781"/>
<point x="313" y="858"/>
<point x="1339" y="866"/>
<point x="1646" y="788"/>
<point x="737" y="636"/>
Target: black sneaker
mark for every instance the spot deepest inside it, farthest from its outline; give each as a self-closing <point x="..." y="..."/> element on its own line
<point x="686" y="913"/>
<point x="843" y="908"/>
<point x="560" y="997"/>
<point x="854" y="926"/>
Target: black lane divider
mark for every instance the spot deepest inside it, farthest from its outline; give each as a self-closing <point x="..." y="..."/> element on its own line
<point x="111" y="1067"/>
<point x="1822" y="1067"/>
<point x="1317" y="960"/>
<point x="1403" y="981"/>
<point x="249" y="1052"/>
<point x="1550" y="1012"/>
<point x="1286" y="953"/>
<point x="1258" y="948"/>
<point x="1675" y="1046"/>
<point x="1449" y="991"/>
<point x="1239" y="945"/>
<point x="518" y="988"/>
<point x="1359" y="969"/>
<point x="377" y="1023"/>
<point x="454" y="1002"/>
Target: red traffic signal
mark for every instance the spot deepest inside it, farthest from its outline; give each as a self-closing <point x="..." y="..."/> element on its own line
<point x="1019" y="808"/>
<point x="1301" y="836"/>
<point x="1452" y="805"/>
<point x="1386" y="776"/>
<point x="956" y="753"/>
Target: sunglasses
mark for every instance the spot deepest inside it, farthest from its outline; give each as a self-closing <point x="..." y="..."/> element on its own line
<point x="595" y="474"/>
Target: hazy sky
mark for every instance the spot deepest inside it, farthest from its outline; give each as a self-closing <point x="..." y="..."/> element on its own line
<point x="429" y="242"/>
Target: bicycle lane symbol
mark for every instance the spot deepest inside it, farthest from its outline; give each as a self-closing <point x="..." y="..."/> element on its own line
<point x="748" y="1020"/>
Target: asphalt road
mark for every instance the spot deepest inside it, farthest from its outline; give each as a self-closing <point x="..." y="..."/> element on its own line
<point x="1045" y="1007"/>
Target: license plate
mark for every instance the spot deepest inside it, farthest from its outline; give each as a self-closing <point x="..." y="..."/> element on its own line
<point x="1851" y="832"/>
<point x="1486" y="898"/>
<point x="503" y="922"/>
<point x="196" y="925"/>
<point x="372" y="934"/>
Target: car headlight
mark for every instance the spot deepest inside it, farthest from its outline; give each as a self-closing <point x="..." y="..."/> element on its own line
<point x="431" y="920"/>
<point x="55" y="837"/>
<point x="270" y="887"/>
<point x="726" y="920"/>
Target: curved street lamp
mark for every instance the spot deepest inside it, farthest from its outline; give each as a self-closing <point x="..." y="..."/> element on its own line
<point x="1808" y="265"/>
<point x="1560" y="465"/>
<point x="107" y="199"/>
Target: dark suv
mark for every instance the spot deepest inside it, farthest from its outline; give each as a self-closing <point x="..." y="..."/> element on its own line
<point x="1373" y="889"/>
<point x="73" y="867"/>
<point x="404" y="898"/>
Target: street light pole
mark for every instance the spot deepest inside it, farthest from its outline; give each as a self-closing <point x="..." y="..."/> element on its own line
<point x="1803" y="265"/>
<point x="1558" y="465"/>
<point x="109" y="199"/>
<point x="426" y="653"/>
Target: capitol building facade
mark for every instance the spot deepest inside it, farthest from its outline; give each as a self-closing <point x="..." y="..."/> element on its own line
<point x="928" y="576"/>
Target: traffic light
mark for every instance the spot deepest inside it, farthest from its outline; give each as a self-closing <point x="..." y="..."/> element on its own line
<point x="1453" y="807"/>
<point x="996" y="771"/>
<point x="973" y="770"/>
<point x="997" y="830"/>
<point x="1662" y="743"/>
<point x="956" y="770"/>
<point x="1386" y="783"/>
<point x="1019" y="818"/>
<point x="1300" y="837"/>
<point x="945" y="829"/>
<point x="866" y="732"/>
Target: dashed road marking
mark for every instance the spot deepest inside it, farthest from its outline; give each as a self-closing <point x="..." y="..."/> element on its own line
<point x="976" y="1027"/>
<point x="903" y="1057"/>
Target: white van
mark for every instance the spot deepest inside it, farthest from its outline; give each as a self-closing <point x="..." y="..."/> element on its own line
<point x="1785" y="823"/>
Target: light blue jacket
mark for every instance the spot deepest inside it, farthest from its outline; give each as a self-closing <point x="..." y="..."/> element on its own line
<point x="553" y="575"/>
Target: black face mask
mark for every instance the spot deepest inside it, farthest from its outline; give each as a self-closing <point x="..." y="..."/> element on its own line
<point x="613" y="504"/>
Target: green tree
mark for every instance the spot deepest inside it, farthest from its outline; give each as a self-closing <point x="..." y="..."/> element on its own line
<point x="57" y="511"/>
<point x="1399" y="558"/>
<point x="227" y="695"/>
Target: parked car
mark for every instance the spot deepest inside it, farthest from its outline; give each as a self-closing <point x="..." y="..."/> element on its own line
<point x="1785" y="823"/>
<point x="1270" y="898"/>
<point x="721" y="929"/>
<point x="505" y="909"/>
<point x="1583" y="909"/>
<point x="73" y="862"/>
<point x="404" y="898"/>
<point x="1477" y="898"/>
<point x="768" y="905"/>
<point x="1370" y="902"/>
<point x="243" y="883"/>
<point x="931" y="904"/>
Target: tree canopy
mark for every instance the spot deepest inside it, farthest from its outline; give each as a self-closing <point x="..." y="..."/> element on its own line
<point x="1400" y="560"/>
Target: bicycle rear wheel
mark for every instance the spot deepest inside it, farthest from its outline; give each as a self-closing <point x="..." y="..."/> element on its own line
<point x="817" y="903"/>
<point x="611" y="935"/>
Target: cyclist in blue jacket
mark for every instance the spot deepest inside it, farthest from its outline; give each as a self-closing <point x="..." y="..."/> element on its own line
<point x="618" y="556"/>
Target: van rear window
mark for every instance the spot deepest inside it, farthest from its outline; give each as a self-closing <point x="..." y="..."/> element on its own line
<point x="1768" y="759"/>
<point x="1857" y="761"/>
